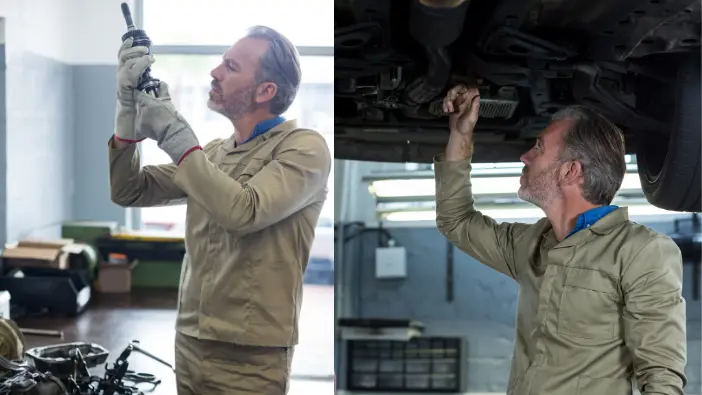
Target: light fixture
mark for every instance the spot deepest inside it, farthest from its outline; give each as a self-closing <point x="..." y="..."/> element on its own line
<point x="517" y="213"/>
<point x="422" y="187"/>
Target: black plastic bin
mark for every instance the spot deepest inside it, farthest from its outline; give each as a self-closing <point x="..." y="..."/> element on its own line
<point x="56" y="291"/>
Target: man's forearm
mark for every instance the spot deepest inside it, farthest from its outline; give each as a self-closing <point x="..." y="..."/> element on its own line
<point x="295" y="178"/>
<point x="459" y="147"/>
<point x="134" y="186"/>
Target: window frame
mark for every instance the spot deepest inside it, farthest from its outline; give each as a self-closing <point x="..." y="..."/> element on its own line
<point x="133" y="219"/>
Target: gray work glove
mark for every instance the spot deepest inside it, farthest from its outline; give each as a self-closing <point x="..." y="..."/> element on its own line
<point x="132" y="63"/>
<point x="158" y="119"/>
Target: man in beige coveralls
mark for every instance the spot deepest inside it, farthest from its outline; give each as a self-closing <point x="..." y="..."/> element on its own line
<point x="600" y="298"/>
<point x="253" y="201"/>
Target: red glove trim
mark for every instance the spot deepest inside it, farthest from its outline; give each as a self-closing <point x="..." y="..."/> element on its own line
<point x="128" y="141"/>
<point x="195" y="148"/>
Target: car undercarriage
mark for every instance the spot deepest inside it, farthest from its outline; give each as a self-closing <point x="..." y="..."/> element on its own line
<point x="636" y="62"/>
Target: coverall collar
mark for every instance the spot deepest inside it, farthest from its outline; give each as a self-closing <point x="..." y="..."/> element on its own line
<point x="590" y="217"/>
<point x="264" y="130"/>
<point x="263" y="127"/>
<point x="599" y="221"/>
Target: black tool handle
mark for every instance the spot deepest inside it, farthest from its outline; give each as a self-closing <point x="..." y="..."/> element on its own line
<point x="128" y="16"/>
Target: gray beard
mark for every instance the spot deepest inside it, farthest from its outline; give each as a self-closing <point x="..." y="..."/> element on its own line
<point x="237" y="106"/>
<point x="540" y="190"/>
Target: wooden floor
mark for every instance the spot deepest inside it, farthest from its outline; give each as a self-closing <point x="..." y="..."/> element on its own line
<point x="112" y="321"/>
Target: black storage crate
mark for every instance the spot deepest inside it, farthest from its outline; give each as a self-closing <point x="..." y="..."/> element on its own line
<point x="57" y="291"/>
<point x="424" y="364"/>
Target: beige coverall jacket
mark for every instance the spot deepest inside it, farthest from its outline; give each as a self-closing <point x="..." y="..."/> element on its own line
<point x="251" y="217"/>
<point x="595" y="311"/>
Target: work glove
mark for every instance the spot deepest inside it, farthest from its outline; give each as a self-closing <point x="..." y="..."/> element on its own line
<point x="158" y="119"/>
<point x="132" y="63"/>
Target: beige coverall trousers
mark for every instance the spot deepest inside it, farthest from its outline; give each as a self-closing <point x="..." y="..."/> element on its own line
<point x="206" y="367"/>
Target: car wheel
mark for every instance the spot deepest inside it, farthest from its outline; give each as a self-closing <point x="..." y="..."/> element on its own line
<point x="669" y="165"/>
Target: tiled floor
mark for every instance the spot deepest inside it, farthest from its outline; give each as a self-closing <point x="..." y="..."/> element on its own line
<point x="113" y="321"/>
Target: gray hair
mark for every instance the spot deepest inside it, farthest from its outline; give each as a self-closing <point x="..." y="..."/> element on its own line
<point x="599" y="146"/>
<point x="280" y="65"/>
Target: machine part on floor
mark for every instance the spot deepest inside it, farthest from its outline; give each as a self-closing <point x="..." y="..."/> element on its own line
<point x="147" y="84"/>
<point x="116" y="377"/>
<point x="58" y="358"/>
<point x="21" y="378"/>
<point x="29" y="382"/>
<point x="11" y="340"/>
<point x="42" y="332"/>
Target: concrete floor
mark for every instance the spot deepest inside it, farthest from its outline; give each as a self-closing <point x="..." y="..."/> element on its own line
<point x="112" y="321"/>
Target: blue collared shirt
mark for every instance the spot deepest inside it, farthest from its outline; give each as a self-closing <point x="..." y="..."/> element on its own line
<point x="590" y="217"/>
<point x="263" y="127"/>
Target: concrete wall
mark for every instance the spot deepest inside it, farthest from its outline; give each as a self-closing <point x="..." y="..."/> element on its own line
<point x="57" y="113"/>
<point x="483" y="309"/>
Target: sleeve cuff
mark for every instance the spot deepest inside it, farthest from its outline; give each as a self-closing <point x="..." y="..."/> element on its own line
<point x="114" y="136"/>
<point x="188" y="152"/>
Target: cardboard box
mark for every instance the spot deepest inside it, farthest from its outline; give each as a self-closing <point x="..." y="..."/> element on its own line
<point x="33" y="253"/>
<point x="116" y="277"/>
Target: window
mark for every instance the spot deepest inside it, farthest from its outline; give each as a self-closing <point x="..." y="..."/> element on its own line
<point x="410" y="197"/>
<point x="306" y="23"/>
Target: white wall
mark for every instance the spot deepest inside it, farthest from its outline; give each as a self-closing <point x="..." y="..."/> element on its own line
<point x="55" y="29"/>
<point x="94" y="40"/>
<point x="44" y="40"/>
<point x="36" y="26"/>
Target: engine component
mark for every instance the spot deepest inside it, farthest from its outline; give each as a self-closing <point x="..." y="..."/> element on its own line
<point x="11" y="340"/>
<point x="356" y="36"/>
<point x="435" y="28"/>
<point x="501" y="104"/>
<point x="58" y="360"/>
<point x="510" y="41"/>
<point x="147" y="83"/>
<point x="30" y="382"/>
<point x="427" y="87"/>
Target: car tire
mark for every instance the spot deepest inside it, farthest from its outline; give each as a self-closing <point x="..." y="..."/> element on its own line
<point x="669" y="167"/>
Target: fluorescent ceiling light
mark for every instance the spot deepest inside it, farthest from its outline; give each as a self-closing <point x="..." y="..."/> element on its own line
<point x="481" y="186"/>
<point x="430" y="215"/>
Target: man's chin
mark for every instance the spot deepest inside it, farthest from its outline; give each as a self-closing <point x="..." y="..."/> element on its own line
<point x="216" y="107"/>
<point x="525" y="196"/>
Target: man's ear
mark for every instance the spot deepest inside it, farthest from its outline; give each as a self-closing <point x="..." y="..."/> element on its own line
<point x="571" y="172"/>
<point x="265" y="92"/>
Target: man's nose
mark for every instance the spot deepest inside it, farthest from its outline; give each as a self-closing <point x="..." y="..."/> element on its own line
<point x="215" y="73"/>
<point x="525" y="158"/>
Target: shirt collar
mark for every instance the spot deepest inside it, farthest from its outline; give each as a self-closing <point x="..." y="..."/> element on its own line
<point x="263" y="127"/>
<point x="590" y="217"/>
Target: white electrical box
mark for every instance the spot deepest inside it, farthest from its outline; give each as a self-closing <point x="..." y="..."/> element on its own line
<point x="390" y="262"/>
<point x="5" y="304"/>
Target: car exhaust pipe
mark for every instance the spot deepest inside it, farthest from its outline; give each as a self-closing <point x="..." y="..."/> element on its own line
<point x="435" y="24"/>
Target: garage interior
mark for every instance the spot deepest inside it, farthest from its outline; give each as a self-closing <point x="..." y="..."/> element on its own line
<point x="78" y="268"/>
<point x="415" y="315"/>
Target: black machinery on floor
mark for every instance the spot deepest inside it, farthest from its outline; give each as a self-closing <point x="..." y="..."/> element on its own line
<point x="63" y="369"/>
